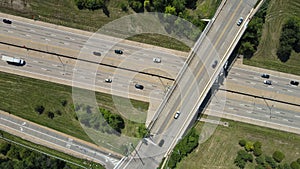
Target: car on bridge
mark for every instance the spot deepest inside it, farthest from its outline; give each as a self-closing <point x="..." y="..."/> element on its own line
<point x="264" y="75"/>
<point x="7" y="21"/>
<point x="268" y="82"/>
<point x="240" y="21"/>
<point x="118" y="51"/>
<point x="177" y="114"/>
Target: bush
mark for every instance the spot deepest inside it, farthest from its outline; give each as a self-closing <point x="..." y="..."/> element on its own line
<point x="295" y="165"/>
<point x="249" y="146"/>
<point x="242" y="142"/>
<point x="58" y="112"/>
<point x="278" y="156"/>
<point x="260" y="160"/>
<point x="90" y="4"/>
<point x="50" y="115"/>
<point x="64" y="103"/>
<point x="257" y="151"/>
<point x="124" y="7"/>
<point x="39" y="109"/>
<point x="298" y="160"/>
<point x="271" y="162"/>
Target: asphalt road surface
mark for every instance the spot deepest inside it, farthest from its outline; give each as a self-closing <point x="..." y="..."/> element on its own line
<point x="256" y="108"/>
<point x="61" y="141"/>
<point x="252" y="79"/>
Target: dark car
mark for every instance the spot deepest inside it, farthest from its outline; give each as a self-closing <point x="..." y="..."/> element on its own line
<point x="240" y="21"/>
<point x="118" y="51"/>
<point x="265" y="75"/>
<point x="294" y="83"/>
<point x="97" y="53"/>
<point x="7" y="21"/>
<point x="214" y="65"/>
<point x="138" y="86"/>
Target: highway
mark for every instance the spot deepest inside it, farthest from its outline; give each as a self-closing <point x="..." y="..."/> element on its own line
<point x="195" y="79"/>
<point x="186" y="91"/>
<point x="280" y="85"/>
<point x="258" y="109"/>
<point x="56" y="140"/>
<point x="71" y="44"/>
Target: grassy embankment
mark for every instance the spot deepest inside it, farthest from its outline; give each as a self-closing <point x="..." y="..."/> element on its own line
<point x="66" y="13"/>
<point x="220" y="150"/>
<point x="52" y="152"/>
<point x="265" y="57"/>
<point x="20" y="95"/>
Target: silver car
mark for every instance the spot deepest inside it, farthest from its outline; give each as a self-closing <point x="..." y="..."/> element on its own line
<point x="177" y="114"/>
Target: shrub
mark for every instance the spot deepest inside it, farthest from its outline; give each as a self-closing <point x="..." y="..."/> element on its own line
<point x="298" y="160"/>
<point x="257" y="144"/>
<point x="278" y="156"/>
<point x="58" y="112"/>
<point x="50" y="114"/>
<point x="249" y="146"/>
<point x="39" y="109"/>
<point x="242" y="142"/>
<point x="271" y="162"/>
<point x="295" y="165"/>
<point x="64" y="103"/>
<point x="260" y="160"/>
<point x="257" y="151"/>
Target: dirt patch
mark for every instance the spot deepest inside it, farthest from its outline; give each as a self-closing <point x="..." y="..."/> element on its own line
<point x="15" y="4"/>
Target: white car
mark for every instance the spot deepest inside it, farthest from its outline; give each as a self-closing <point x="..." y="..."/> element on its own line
<point x="108" y="80"/>
<point x="156" y="60"/>
<point x="177" y="114"/>
<point x="268" y="82"/>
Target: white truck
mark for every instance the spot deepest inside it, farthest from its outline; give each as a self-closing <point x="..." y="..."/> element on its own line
<point x="13" y="60"/>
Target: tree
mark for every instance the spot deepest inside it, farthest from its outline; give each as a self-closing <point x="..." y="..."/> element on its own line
<point x="4" y="147"/>
<point x="137" y="6"/>
<point x="147" y="5"/>
<point x="242" y="142"/>
<point x="298" y="160"/>
<point x="13" y="153"/>
<point x="170" y="10"/>
<point x="179" y="5"/>
<point x="278" y="156"/>
<point x="40" y="109"/>
<point x="271" y="162"/>
<point x="247" y="49"/>
<point x="124" y="7"/>
<point x="64" y="103"/>
<point x="257" y="151"/>
<point x="249" y="146"/>
<point x="260" y="160"/>
<point x="295" y="165"/>
<point x="50" y="114"/>
<point x="284" y="166"/>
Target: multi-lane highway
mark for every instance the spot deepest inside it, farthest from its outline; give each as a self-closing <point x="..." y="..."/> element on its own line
<point x="192" y="83"/>
<point x="200" y="72"/>
<point x="56" y="140"/>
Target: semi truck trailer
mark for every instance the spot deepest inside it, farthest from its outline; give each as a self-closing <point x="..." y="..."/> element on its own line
<point x="13" y="60"/>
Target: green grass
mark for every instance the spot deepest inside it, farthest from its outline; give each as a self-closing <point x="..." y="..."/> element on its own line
<point x="65" y="12"/>
<point x="265" y="57"/>
<point x="20" y="95"/>
<point x="220" y="150"/>
<point x="51" y="151"/>
<point x="160" y="40"/>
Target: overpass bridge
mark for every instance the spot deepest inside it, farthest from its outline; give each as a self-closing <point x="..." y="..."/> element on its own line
<point x="192" y="84"/>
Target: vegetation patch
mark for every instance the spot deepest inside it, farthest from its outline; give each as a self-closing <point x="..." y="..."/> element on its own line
<point x="51" y="105"/>
<point x="73" y="13"/>
<point x="18" y="153"/>
<point x="266" y="55"/>
<point x="220" y="150"/>
<point x="183" y="148"/>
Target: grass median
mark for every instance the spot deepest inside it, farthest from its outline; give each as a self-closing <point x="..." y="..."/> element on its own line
<point x="220" y="150"/>
<point x="21" y="95"/>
